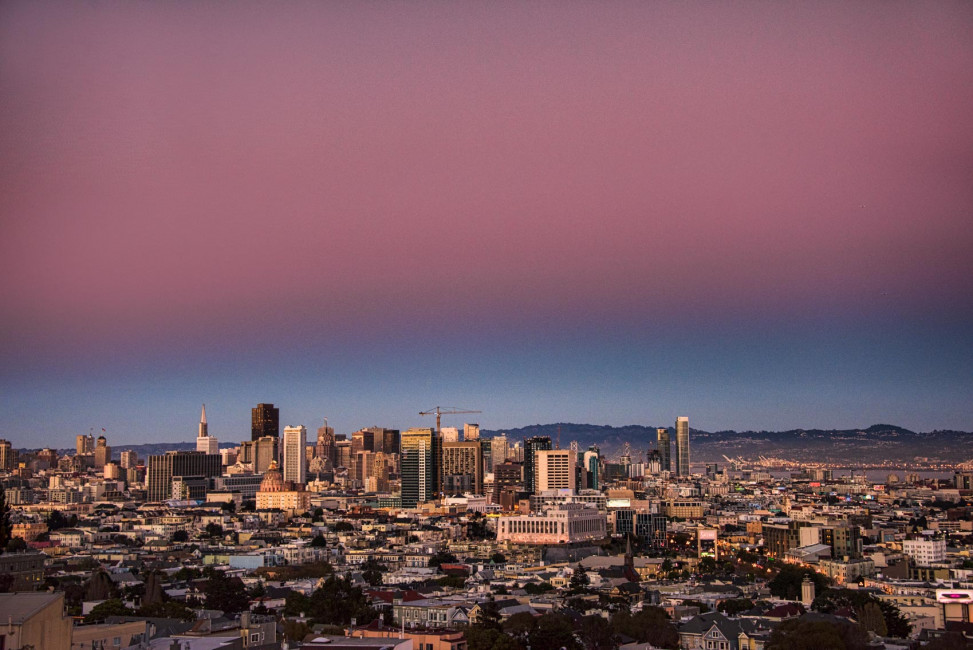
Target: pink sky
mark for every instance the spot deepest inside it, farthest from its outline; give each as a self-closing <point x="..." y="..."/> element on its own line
<point x="220" y="172"/>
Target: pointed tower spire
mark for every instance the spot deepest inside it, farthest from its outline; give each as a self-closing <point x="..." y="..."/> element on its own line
<point x="203" y="427"/>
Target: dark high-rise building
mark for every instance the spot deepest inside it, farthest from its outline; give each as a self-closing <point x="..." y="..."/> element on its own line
<point x="325" y="445"/>
<point x="464" y="459"/>
<point x="421" y="473"/>
<point x="665" y="449"/>
<point x="531" y="447"/>
<point x="162" y="468"/>
<point x="507" y="476"/>
<point x="264" y="421"/>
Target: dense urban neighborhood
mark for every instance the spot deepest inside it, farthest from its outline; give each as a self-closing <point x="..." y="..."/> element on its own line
<point x="440" y="539"/>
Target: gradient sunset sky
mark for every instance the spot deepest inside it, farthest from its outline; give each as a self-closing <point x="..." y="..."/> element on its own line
<point x="755" y="214"/>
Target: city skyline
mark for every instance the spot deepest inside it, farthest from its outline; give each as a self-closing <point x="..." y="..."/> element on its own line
<point x="757" y="216"/>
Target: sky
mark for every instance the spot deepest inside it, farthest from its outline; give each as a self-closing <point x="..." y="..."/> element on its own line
<point x="758" y="215"/>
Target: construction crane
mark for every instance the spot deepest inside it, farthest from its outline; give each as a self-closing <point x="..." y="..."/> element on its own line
<point x="440" y="411"/>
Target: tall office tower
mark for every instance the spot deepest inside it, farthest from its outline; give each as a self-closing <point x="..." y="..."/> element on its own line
<point x="499" y="451"/>
<point x="295" y="460"/>
<point x="363" y="440"/>
<point x="102" y="453"/>
<point x="129" y="458"/>
<point x="382" y="465"/>
<point x="342" y="453"/>
<point x="554" y="469"/>
<point x="486" y="452"/>
<point x="246" y="454"/>
<point x="162" y="468"/>
<point x="85" y="444"/>
<point x="471" y="431"/>
<point x="507" y="476"/>
<point x="464" y="459"/>
<point x="531" y="447"/>
<point x="264" y="453"/>
<point x="682" y="446"/>
<point x="264" y="421"/>
<point x="449" y="434"/>
<point x="590" y="462"/>
<point x="420" y="466"/>
<point x="205" y="442"/>
<point x="363" y="466"/>
<point x="325" y="445"/>
<point x="389" y="441"/>
<point x="6" y="455"/>
<point x="665" y="449"/>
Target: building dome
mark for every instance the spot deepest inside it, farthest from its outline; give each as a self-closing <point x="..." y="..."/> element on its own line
<point x="273" y="479"/>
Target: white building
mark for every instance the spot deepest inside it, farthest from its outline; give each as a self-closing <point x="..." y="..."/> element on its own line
<point x="562" y="524"/>
<point x="925" y="551"/>
<point x="295" y="454"/>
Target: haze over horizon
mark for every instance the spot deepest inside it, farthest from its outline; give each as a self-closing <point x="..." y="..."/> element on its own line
<point x="758" y="216"/>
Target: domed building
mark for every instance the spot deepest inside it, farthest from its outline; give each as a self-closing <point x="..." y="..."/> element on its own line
<point x="277" y="494"/>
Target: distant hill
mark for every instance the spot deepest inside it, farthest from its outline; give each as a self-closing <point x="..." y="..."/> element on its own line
<point x="872" y="444"/>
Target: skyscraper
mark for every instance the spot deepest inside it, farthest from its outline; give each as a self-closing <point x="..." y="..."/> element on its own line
<point x="499" y="451"/>
<point x="471" y="431"/>
<point x="85" y="444"/>
<point x="264" y="421"/>
<point x="555" y="470"/>
<point x="6" y="455"/>
<point x="665" y="449"/>
<point x="531" y="447"/>
<point x="464" y="459"/>
<point x="295" y="443"/>
<point x="205" y="442"/>
<point x="264" y="453"/>
<point x="420" y="477"/>
<point x="325" y="446"/>
<point x="682" y="446"/>
<point x="102" y="453"/>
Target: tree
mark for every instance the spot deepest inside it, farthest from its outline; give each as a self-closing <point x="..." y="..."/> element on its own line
<point x="802" y="634"/>
<point x="153" y="589"/>
<point x="651" y="625"/>
<point x="99" y="587"/>
<point x="225" y="594"/>
<point x="16" y="545"/>
<point x="554" y="631"/>
<point x="441" y="558"/>
<point x="214" y="530"/>
<point x="180" y="536"/>
<point x="4" y="520"/>
<point x="372" y="572"/>
<point x="319" y="541"/>
<point x="787" y="583"/>
<point x="520" y="625"/>
<point x="489" y="614"/>
<point x="596" y="633"/>
<point x="342" y="527"/>
<point x="112" y="607"/>
<point x="734" y="606"/>
<point x="872" y="614"/>
<point x="498" y="558"/>
<point x="337" y="601"/>
<point x="482" y="638"/>
<point x="56" y="520"/>
<point x="579" y="580"/>
<point x="534" y="588"/>
<point x="167" y="609"/>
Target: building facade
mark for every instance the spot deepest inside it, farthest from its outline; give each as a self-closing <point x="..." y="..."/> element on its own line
<point x="295" y="454"/>
<point x="420" y="460"/>
<point x="264" y="421"/>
